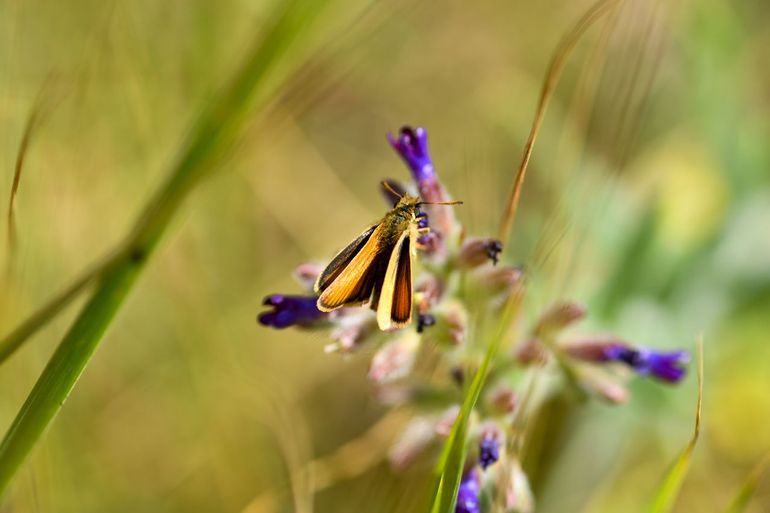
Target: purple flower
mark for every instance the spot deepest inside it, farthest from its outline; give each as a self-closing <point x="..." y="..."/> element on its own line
<point x="489" y="451"/>
<point x="412" y="145"/>
<point x="668" y="366"/>
<point x="290" y="311"/>
<point x="665" y="366"/>
<point x="425" y="321"/>
<point x="468" y="494"/>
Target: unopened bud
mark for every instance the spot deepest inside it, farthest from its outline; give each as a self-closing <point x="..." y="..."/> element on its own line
<point x="446" y="421"/>
<point x="502" y="399"/>
<point x="499" y="279"/>
<point x="518" y="493"/>
<point x="602" y="385"/>
<point x="559" y="316"/>
<point x="531" y="352"/>
<point x="427" y="292"/>
<point x="395" y="358"/>
<point x="416" y="437"/>
<point x="307" y="274"/>
<point x="477" y="251"/>
<point x="352" y="332"/>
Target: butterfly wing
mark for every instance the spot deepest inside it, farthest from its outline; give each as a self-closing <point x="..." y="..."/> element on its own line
<point x="351" y="276"/>
<point x="394" y="306"/>
<point x="342" y="259"/>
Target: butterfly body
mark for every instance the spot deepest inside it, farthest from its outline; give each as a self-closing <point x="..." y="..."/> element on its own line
<point x="377" y="268"/>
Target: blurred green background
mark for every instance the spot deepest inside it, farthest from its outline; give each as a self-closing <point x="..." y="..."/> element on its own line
<point x="648" y="199"/>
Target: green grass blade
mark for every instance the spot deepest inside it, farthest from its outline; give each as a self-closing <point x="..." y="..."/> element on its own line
<point x="452" y="460"/>
<point x="14" y="340"/>
<point x="453" y="454"/>
<point x="63" y="370"/>
<point x="216" y="130"/>
<point x="745" y="492"/>
<point x="668" y="491"/>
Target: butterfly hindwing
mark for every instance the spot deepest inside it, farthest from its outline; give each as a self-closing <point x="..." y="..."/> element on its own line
<point x="394" y="308"/>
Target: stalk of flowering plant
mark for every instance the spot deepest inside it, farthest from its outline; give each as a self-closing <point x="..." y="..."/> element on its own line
<point x="467" y="306"/>
<point x="217" y="128"/>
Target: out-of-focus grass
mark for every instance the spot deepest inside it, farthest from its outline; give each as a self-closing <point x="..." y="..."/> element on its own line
<point x="178" y="411"/>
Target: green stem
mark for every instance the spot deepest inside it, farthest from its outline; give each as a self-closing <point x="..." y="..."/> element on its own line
<point x="63" y="369"/>
<point x="14" y="340"/>
<point x="216" y="130"/>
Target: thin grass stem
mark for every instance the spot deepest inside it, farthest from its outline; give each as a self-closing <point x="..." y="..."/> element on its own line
<point x="559" y="59"/>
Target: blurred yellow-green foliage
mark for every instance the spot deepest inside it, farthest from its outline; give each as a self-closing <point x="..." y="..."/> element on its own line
<point x="648" y="198"/>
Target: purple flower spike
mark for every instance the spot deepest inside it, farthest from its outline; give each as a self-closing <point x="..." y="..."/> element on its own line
<point x="665" y="366"/>
<point x="468" y="494"/>
<point x="489" y="451"/>
<point x="412" y="145"/>
<point x="290" y="311"/>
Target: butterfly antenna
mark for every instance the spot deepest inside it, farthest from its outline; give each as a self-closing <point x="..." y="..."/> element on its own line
<point x="440" y="203"/>
<point x="390" y="189"/>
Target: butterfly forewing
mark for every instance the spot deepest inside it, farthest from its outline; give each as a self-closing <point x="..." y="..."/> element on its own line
<point x="342" y="260"/>
<point x="353" y="280"/>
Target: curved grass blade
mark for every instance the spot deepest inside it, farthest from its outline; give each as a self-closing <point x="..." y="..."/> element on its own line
<point x="452" y="460"/>
<point x="558" y="60"/>
<point x="215" y="131"/>
<point x="13" y="341"/>
<point x="742" y="498"/>
<point x="34" y="119"/>
<point x="672" y="482"/>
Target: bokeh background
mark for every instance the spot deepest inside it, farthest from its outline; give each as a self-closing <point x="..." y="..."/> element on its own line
<point x="648" y="199"/>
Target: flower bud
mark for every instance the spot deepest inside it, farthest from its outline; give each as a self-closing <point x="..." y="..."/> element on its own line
<point x="427" y="292"/>
<point x="351" y="331"/>
<point x="451" y="323"/>
<point x="416" y="437"/>
<point x="307" y="274"/>
<point x="395" y="358"/>
<point x="477" y="251"/>
<point x="559" y="316"/>
<point x="600" y="384"/>
<point x="502" y="400"/>
<point x="446" y="421"/>
<point x="518" y="493"/>
<point x="531" y="352"/>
